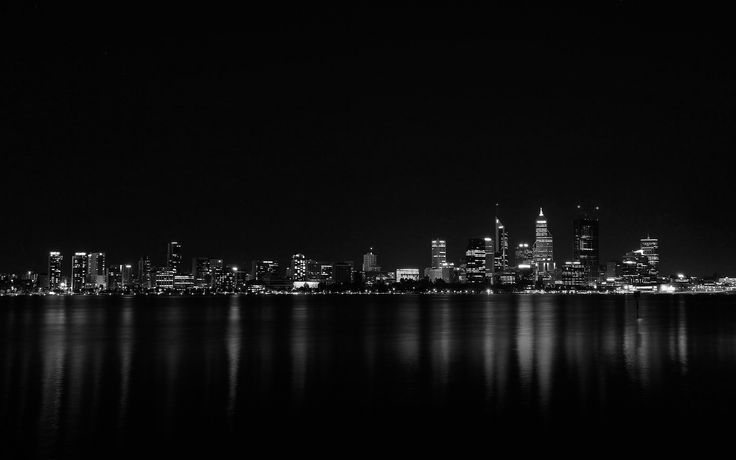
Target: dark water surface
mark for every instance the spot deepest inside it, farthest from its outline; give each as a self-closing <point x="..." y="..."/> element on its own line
<point x="350" y="375"/>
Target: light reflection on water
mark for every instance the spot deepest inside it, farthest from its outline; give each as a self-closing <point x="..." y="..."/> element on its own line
<point x="82" y="368"/>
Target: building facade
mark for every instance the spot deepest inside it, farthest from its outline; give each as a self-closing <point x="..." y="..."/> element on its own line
<point x="439" y="253"/>
<point x="79" y="271"/>
<point x="475" y="260"/>
<point x="173" y="256"/>
<point x="370" y="262"/>
<point x="97" y="271"/>
<point x="501" y="256"/>
<point x="542" y="250"/>
<point x="298" y="267"/>
<point x="585" y="248"/>
<point x="54" y="274"/>
<point x="650" y="248"/>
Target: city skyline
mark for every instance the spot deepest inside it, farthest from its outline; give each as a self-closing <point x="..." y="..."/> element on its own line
<point x="497" y="235"/>
<point x="487" y="262"/>
<point x="366" y="127"/>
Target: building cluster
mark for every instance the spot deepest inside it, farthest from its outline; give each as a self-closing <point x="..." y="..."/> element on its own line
<point x="488" y="265"/>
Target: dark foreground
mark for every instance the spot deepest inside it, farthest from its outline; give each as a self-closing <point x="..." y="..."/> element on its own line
<point x="351" y="376"/>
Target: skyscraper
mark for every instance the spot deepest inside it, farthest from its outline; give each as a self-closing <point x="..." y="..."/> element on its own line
<point x="524" y="255"/>
<point x="490" y="260"/>
<point x="126" y="275"/>
<point x="173" y="256"/>
<point x="342" y="272"/>
<point x="298" y="267"/>
<point x="202" y="271"/>
<point x="97" y="270"/>
<point x="217" y="269"/>
<point x="650" y="248"/>
<point x="542" y="250"/>
<point x="79" y="271"/>
<point x="145" y="273"/>
<point x="586" y="244"/>
<point x="55" y="260"/>
<point x="475" y="260"/>
<point x="114" y="280"/>
<point x="370" y="262"/>
<point x="264" y="270"/>
<point x="501" y="256"/>
<point x="439" y="253"/>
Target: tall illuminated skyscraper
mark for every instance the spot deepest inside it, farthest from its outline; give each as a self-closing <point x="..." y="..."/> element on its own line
<point x="439" y="253"/>
<point x="475" y="260"/>
<point x="173" y="256"/>
<point x="79" y="271"/>
<point x="55" y="260"/>
<point x="126" y="275"/>
<point x="501" y="255"/>
<point x="542" y="250"/>
<point x="298" y="267"/>
<point x="370" y="262"/>
<point x="524" y="255"/>
<point x="97" y="270"/>
<point x="586" y="244"/>
<point x="650" y="248"/>
<point x="490" y="260"/>
<point x="145" y="273"/>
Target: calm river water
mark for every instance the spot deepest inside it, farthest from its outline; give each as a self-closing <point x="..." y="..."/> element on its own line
<point x="363" y="375"/>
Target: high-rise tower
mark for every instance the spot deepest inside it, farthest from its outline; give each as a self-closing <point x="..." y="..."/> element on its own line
<point x="96" y="270"/>
<point x="55" y="259"/>
<point x="370" y="262"/>
<point x="585" y="247"/>
<point x="501" y="256"/>
<point x="475" y="260"/>
<point x="543" y="255"/>
<point x="439" y="253"/>
<point x="650" y="248"/>
<point x="173" y="256"/>
<point x="79" y="271"/>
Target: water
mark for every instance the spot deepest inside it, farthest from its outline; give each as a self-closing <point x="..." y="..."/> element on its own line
<point x="112" y="376"/>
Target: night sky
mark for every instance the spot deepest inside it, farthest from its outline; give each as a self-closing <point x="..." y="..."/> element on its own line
<point x="260" y="133"/>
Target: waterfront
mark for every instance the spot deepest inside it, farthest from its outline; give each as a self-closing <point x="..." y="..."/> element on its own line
<point x="95" y="376"/>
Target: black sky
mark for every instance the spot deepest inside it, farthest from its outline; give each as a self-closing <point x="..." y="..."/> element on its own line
<point x="260" y="133"/>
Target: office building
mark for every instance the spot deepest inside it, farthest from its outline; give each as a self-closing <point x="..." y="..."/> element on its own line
<point x="264" y="270"/>
<point x="79" y="271"/>
<point x="145" y="273"/>
<point x="370" y="262"/>
<point x="501" y="255"/>
<point x="490" y="260"/>
<point x="164" y="279"/>
<point x="573" y="276"/>
<point x="114" y="278"/>
<point x="542" y="249"/>
<point x="314" y="270"/>
<point x="439" y="253"/>
<point x="342" y="272"/>
<point x="524" y="255"/>
<point x="650" y="248"/>
<point x="217" y="273"/>
<point x="298" y="267"/>
<point x="173" y="257"/>
<point x="475" y="260"/>
<point x="586" y="244"/>
<point x="202" y="271"/>
<point x="126" y="276"/>
<point x="326" y="272"/>
<point x="97" y="271"/>
<point x="54" y="274"/>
